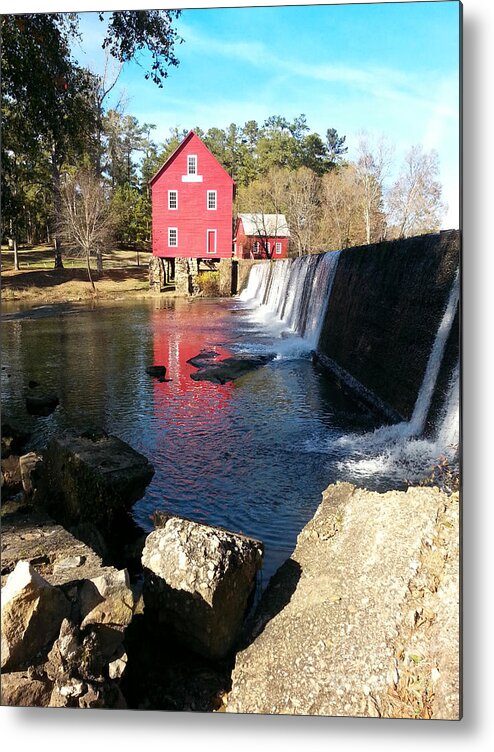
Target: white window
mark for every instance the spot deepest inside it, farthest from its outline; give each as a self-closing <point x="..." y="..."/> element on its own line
<point x="211" y="200"/>
<point x="278" y="247"/>
<point x="192" y="164"/>
<point x="268" y="247"/>
<point x="173" y="199"/>
<point x="256" y="246"/>
<point x="172" y="237"/>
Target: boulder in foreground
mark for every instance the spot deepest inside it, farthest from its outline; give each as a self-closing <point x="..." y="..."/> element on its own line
<point x="198" y="579"/>
<point x="32" y="612"/>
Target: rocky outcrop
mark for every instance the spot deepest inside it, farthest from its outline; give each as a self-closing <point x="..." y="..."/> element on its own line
<point x="346" y="626"/>
<point x="229" y="369"/>
<point x="91" y="478"/>
<point x="198" y="580"/>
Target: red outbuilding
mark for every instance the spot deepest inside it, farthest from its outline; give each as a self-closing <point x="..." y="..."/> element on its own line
<point x="192" y="200"/>
<point x="261" y="236"/>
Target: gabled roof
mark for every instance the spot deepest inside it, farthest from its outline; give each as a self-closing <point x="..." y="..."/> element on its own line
<point x="177" y="151"/>
<point x="272" y="225"/>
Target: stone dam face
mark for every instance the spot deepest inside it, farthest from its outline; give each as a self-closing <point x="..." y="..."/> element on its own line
<point x="384" y="311"/>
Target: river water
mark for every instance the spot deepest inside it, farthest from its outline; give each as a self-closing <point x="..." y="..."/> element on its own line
<point x="236" y="455"/>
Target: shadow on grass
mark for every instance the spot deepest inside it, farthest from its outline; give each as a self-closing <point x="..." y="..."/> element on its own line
<point x="24" y="280"/>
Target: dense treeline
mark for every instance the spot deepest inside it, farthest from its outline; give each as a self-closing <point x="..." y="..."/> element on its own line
<point x="68" y="154"/>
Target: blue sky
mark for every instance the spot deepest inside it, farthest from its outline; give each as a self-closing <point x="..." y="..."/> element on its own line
<point x="390" y="68"/>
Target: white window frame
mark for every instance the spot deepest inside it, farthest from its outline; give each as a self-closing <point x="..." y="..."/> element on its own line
<point x="268" y="247"/>
<point x="189" y="171"/>
<point x="170" y="244"/>
<point x="175" y="192"/>
<point x="278" y="247"/>
<point x="257" y="246"/>
<point x="208" y="195"/>
<point x="212" y="253"/>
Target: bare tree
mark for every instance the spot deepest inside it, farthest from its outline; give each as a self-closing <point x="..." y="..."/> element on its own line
<point x="374" y="158"/>
<point x="342" y="221"/>
<point x="414" y="201"/>
<point x="86" y="224"/>
<point x="302" y="208"/>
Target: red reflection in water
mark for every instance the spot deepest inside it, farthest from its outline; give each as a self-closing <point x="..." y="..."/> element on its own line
<point x="190" y="413"/>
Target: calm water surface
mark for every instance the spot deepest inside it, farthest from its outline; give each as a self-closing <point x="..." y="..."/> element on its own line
<point x="234" y="455"/>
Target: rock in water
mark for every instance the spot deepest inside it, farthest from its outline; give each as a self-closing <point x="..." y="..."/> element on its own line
<point x="158" y="372"/>
<point x="198" y="578"/>
<point x="90" y="478"/>
<point x="32" y="612"/>
<point x="229" y="369"/>
<point x="41" y="403"/>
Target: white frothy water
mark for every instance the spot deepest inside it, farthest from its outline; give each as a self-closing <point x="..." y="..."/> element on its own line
<point x="290" y="298"/>
<point x="398" y="450"/>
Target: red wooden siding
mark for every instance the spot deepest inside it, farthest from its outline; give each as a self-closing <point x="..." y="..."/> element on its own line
<point x="244" y="244"/>
<point x="201" y="232"/>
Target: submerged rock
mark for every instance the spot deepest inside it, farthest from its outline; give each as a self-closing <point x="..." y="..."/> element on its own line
<point x="91" y="478"/>
<point x="198" y="578"/>
<point x="231" y="368"/>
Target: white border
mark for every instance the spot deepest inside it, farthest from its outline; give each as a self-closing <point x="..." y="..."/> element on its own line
<point x="170" y="230"/>
<point x="215" y="207"/>
<point x="172" y="208"/>
<point x="215" y="252"/>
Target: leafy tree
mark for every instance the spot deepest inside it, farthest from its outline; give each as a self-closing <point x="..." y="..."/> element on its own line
<point x="130" y="32"/>
<point x="335" y="146"/>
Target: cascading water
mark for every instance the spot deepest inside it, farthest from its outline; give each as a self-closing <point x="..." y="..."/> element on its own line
<point x="294" y="295"/>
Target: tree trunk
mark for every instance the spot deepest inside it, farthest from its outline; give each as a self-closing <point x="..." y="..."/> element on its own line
<point x="57" y="200"/>
<point x="99" y="261"/>
<point x="16" y="255"/>
<point x="88" y="263"/>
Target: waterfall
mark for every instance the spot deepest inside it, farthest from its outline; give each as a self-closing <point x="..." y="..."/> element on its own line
<point x="294" y="292"/>
<point x="422" y="405"/>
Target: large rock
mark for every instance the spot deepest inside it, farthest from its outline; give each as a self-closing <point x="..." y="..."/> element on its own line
<point x="230" y="368"/>
<point x="91" y="477"/>
<point x="21" y="689"/>
<point x="346" y="625"/>
<point x="32" y="612"/>
<point x="198" y="578"/>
